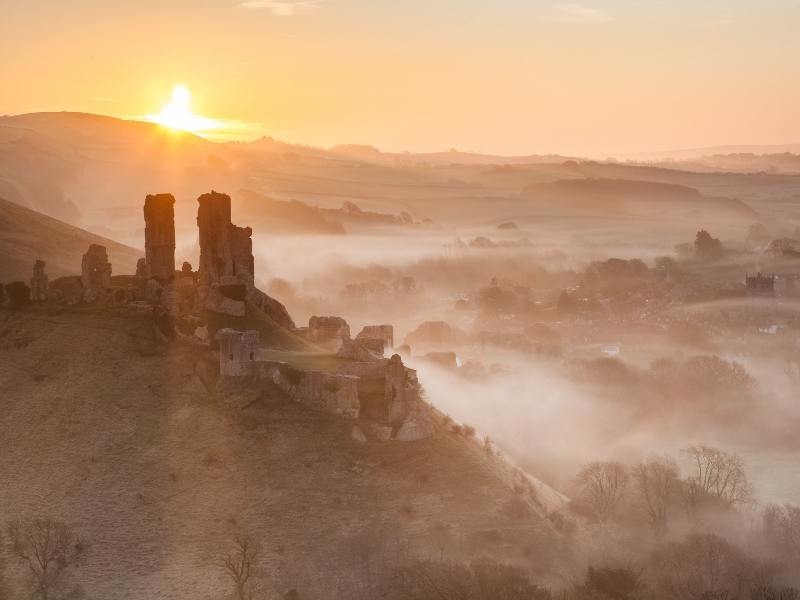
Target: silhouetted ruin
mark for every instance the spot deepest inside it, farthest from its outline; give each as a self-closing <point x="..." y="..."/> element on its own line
<point x="159" y="237"/>
<point x="237" y="352"/>
<point x="95" y="272"/>
<point x="382" y="394"/>
<point x="39" y="284"/>
<point x="226" y="251"/>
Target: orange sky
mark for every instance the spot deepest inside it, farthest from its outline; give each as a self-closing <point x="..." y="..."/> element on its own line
<point x="508" y="76"/>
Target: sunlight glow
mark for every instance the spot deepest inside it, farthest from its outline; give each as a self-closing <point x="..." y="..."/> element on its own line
<point x="178" y="114"/>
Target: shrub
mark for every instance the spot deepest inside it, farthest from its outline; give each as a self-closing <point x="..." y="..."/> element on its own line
<point x="485" y="580"/>
<point x="613" y="583"/>
<point x="18" y="294"/>
<point x="469" y="431"/>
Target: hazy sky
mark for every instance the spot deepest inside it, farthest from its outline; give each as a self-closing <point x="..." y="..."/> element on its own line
<point x="508" y="76"/>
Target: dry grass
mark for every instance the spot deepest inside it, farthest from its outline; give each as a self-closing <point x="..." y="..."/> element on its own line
<point x="119" y="437"/>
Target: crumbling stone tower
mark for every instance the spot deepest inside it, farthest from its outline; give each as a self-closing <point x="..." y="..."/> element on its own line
<point x="402" y="388"/>
<point x="39" y="285"/>
<point x="95" y="271"/>
<point x="226" y="251"/>
<point x="159" y="237"/>
<point x="237" y="352"/>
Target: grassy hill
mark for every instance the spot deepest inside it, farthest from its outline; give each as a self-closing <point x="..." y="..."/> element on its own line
<point x="26" y="235"/>
<point x="125" y="440"/>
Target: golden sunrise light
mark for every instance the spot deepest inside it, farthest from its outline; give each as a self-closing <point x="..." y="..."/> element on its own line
<point x="178" y="115"/>
<point x="373" y="299"/>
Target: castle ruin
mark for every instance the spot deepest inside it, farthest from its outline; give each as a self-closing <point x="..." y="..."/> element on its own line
<point x="159" y="238"/>
<point x="95" y="272"/>
<point x="39" y="284"/>
<point x="378" y="338"/>
<point x="352" y="379"/>
<point x="226" y="251"/>
<point x="237" y="352"/>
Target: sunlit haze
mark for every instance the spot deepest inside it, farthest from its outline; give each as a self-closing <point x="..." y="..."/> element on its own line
<point x="400" y="300"/>
<point x="509" y="76"/>
<point x="177" y="114"/>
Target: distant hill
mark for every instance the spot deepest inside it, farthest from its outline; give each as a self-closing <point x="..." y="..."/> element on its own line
<point x="640" y="198"/>
<point x="690" y="153"/>
<point x="26" y="235"/>
<point x="93" y="172"/>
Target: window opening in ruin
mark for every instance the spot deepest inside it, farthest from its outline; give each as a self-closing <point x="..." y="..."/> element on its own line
<point x="230" y="356"/>
<point x="252" y="356"/>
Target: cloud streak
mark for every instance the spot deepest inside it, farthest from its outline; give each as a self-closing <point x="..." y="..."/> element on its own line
<point x="281" y="8"/>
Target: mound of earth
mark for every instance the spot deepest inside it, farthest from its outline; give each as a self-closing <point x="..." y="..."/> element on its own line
<point x="125" y="439"/>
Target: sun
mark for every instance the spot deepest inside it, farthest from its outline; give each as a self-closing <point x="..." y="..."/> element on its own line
<point x="178" y="115"/>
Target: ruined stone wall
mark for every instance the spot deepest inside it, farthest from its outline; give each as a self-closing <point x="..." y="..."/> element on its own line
<point x="238" y="352"/>
<point x="95" y="272"/>
<point x="399" y="393"/>
<point x="333" y="393"/>
<point x="329" y="392"/>
<point x="226" y="251"/>
<point x="402" y="389"/>
<point x="214" y="226"/>
<point x="360" y="350"/>
<point x="385" y="333"/>
<point x="39" y="283"/>
<point x="242" y="254"/>
<point x="159" y="237"/>
<point x="328" y="330"/>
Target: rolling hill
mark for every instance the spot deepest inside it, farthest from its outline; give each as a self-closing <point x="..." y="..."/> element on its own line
<point x="125" y="439"/>
<point x="26" y="235"/>
<point x="635" y="198"/>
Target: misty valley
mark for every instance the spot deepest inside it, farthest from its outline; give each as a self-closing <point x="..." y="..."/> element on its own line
<point x="265" y="370"/>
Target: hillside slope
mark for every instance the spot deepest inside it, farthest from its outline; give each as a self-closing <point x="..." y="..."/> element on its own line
<point x="26" y="235"/>
<point x="644" y="198"/>
<point x="124" y="440"/>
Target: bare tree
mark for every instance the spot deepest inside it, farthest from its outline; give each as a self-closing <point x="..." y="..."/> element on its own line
<point x="717" y="476"/>
<point x="701" y="567"/>
<point x="782" y="525"/>
<point x="656" y="482"/>
<point x="602" y="486"/>
<point x="48" y="548"/>
<point x="239" y="566"/>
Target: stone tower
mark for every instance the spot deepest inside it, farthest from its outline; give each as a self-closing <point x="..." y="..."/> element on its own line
<point x="95" y="271"/>
<point x="159" y="236"/>
<point x="237" y="352"/>
<point x="226" y="251"/>
<point x="39" y="286"/>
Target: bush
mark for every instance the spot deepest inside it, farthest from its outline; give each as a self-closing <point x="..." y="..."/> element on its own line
<point x="613" y="583"/>
<point x="469" y="431"/>
<point x="771" y="593"/>
<point x="18" y="294"/>
<point x="485" y="580"/>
